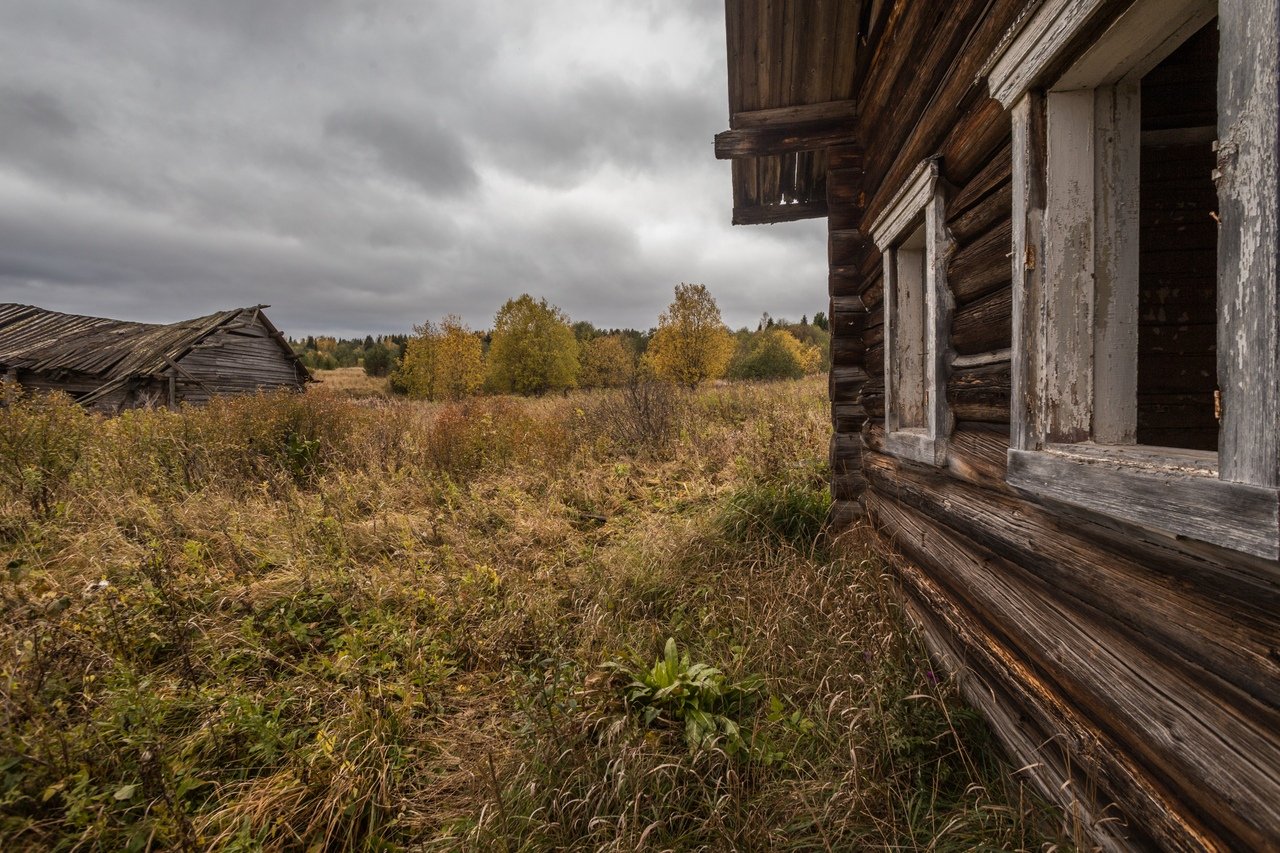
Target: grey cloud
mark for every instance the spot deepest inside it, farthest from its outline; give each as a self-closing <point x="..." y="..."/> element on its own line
<point x="602" y="120"/>
<point x="36" y="114"/>
<point x="364" y="167"/>
<point x="420" y="150"/>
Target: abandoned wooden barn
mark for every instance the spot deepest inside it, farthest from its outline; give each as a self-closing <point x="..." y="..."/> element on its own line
<point x="110" y="365"/>
<point x="1053" y="275"/>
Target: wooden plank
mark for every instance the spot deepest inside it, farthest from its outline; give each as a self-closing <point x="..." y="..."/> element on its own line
<point x="1249" y="205"/>
<point x="769" y="141"/>
<point x="845" y="281"/>
<point x="1234" y="515"/>
<point x="769" y="214"/>
<point x="1027" y="272"/>
<point x="785" y="117"/>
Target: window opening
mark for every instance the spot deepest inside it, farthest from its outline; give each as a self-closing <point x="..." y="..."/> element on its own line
<point x="1178" y="247"/>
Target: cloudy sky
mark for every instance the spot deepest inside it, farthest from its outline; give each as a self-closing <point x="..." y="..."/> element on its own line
<point x="365" y="165"/>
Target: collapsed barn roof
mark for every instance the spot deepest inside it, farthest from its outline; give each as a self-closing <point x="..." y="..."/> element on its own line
<point x="52" y="343"/>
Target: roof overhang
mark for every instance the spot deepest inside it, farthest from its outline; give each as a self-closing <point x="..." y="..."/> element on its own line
<point x="793" y="71"/>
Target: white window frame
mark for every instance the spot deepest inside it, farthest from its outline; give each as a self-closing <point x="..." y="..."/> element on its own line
<point x="1075" y="156"/>
<point x="920" y="198"/>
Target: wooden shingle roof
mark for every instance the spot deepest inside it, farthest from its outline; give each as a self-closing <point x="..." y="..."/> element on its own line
<point x="53" y="343"/>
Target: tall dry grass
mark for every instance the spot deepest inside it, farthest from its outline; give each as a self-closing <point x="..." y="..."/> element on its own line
<point x="294" y="622"/>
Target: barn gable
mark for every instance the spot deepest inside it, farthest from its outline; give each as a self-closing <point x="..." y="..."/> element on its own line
<point x="114" y="364"/>
<point x="1052" y="228"/>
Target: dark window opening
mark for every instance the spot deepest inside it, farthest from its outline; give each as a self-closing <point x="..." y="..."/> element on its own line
<point x="1178" y="245"/>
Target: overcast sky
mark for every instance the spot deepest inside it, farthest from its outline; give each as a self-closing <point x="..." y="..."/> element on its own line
<point x="364" y="166"/>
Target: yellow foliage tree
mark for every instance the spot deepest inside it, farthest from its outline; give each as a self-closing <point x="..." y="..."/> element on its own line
<point x="691" y="343"/>
<point x="607" y="362"/>
<point x="777" y="354"/>
<point x="533" y="350"/>
<point x="443" y="362"/>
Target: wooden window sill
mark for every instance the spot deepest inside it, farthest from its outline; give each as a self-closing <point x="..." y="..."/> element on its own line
<point x="1175" y="491"/>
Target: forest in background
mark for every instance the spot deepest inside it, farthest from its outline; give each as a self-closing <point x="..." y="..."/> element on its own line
<point x="540" y="349"/>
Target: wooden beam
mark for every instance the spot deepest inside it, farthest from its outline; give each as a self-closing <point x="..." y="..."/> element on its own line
<point x="768" y="214"/>
<point x="787" y="116"/>
<point x="767" y="141"/>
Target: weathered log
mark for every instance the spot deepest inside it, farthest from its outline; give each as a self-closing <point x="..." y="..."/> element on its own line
<point x="872" y="398"/>
<point x="977" y="453"/>
<point x="1016" y="712"/>
<point x="786" y="116"/>
<point x="957" y="107"/>
<point x="847" y="350"/>
<point x="982" y="129"/>
<point x="996" y="173"/>
<point x="844" y="514"/>
<point x="846" y="383"/>
<point x="984" y="325"/>
<point x="934" y="55"/>
<point x="984" y="215"/>
<point x="873" y="359"/>
<point x="870" y="263"/>
<point x="844" y="186"/>
<point x="982" y="266"/>
<point x="846" y="452"/>
<point x="980" y="393"/>
<point x="847" y="417"/>
<point x="848" y="317"/>
<point x="845" y="157"/>
<point x="1126" y="687"/>
<point x="1154" y="809"/>
<point x="874" y="324"/>
<point x="845" y="246"/>
<point x="845" y="281"/>
<point x="873" y="293"/>
<point x="1208" y="617"/>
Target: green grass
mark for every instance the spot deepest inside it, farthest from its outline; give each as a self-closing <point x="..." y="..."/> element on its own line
<point x="304" y="623"/>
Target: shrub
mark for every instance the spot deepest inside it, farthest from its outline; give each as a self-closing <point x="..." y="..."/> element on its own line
<point x="776" y="354"/>
<point x="42" y="437"/>
<point x="640" y="419"/>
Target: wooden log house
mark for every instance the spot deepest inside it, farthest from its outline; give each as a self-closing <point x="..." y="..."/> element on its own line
<point x="111" y="365"/>
<point x="1053" y="278"/>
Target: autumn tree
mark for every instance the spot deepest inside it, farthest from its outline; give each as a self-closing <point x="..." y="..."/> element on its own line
<point x="533" y="349"/>
<point x="776" y="354"/>
<point x="691" y="343"/>
<point x="607" y="362"/>
<point x="443" y="362"/>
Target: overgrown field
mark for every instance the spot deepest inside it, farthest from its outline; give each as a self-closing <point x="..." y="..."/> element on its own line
<point x="605" y="621"/>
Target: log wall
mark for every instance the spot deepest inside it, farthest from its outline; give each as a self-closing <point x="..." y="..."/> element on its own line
<point x="1138" y="676"/>
<point x="240" y="358"/>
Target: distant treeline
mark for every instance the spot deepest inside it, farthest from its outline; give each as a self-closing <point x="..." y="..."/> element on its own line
<point x="534" y="347"/>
